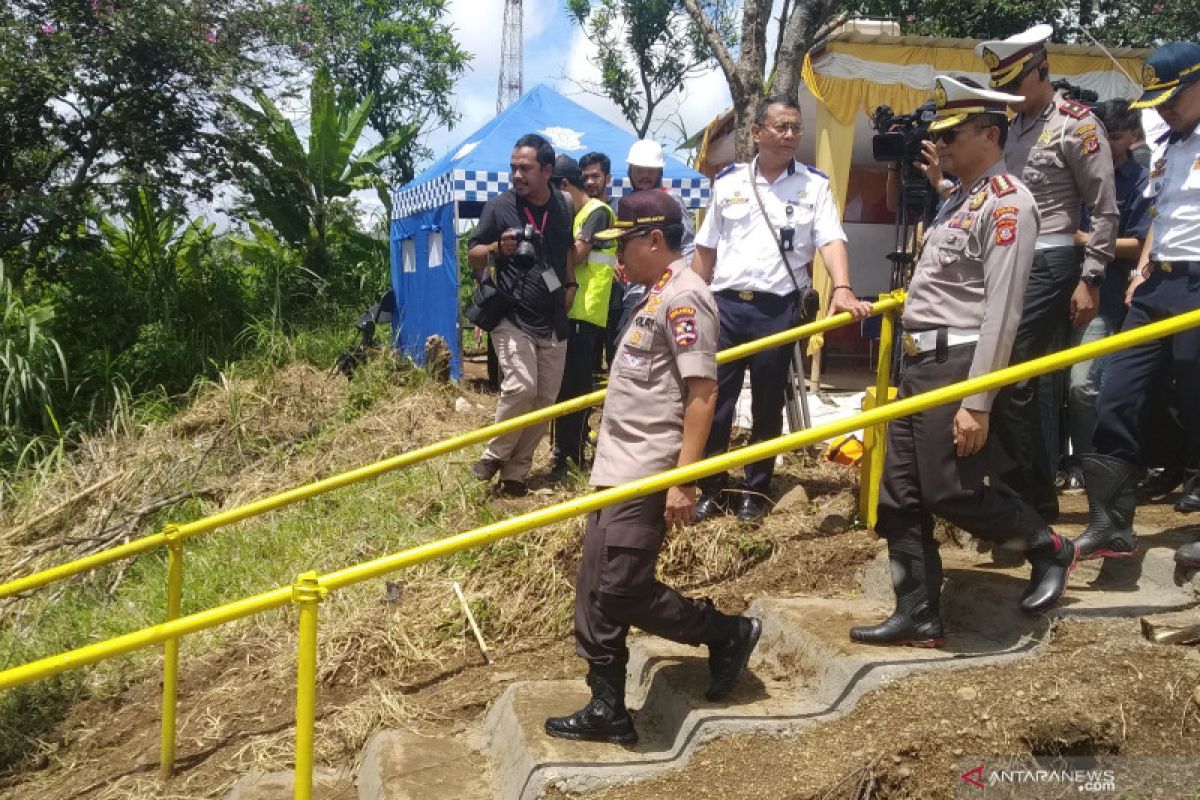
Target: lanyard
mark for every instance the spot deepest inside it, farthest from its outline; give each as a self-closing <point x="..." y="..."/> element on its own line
<point x="541" y="229"/>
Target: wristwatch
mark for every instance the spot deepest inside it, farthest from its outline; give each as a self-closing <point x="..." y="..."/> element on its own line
<point x="1094" y="280"/>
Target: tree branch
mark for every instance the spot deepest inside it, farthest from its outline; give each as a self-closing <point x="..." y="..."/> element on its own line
<point x="714" y="41"/>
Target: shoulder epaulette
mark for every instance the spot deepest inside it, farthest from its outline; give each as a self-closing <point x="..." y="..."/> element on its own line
<point x="816" y="171"/>
<point x="1002" y="185"/>
<point x="1074" y="110"/>
<point x="728" y="169"/>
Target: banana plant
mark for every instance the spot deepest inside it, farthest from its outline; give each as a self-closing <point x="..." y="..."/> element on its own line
<point x="291" y="186"/>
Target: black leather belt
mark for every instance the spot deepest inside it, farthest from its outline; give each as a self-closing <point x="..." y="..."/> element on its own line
<point x="1191" y="268"/>
<point x="748" y="296"/>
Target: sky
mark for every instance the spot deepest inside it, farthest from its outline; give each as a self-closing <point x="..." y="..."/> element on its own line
<point x="556" y="53"/>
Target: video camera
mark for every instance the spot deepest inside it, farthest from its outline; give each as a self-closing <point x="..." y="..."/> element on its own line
<point x="1076" y="93"/>
<point x="898" y="137"/>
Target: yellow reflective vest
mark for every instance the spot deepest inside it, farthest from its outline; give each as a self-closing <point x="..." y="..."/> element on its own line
<point x="595" y="278"/>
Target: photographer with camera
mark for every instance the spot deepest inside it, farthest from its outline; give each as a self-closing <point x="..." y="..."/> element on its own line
<point x="960" y="319"/>
<point x="764" y="223"/>
<point x="1061" y="152"/>
<point x="524" y="237"/>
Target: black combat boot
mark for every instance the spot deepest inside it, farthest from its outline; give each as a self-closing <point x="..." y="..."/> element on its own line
<point x="1189" y="498"/>
<point x="1111" y="500"/>
<point x="1052" y="557"/>
<point x="728" y="658"/>
<point x="604" y="718"/>
<point x="916" y="570"/>
<point x="1188" y="555"/>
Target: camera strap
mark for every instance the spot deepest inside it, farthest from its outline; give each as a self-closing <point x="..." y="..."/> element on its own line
<point x="541" y="229"/>
<point x="787" y="267"/>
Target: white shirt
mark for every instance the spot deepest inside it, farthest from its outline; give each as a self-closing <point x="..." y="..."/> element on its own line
<point x="747" y="255"/>
<point x="1174" y="188"/>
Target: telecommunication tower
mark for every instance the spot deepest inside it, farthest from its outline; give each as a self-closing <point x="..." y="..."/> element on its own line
<point x="512" y="61"/>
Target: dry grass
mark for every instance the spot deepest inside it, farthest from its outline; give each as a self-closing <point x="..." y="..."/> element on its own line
<point x="389" y="656"/>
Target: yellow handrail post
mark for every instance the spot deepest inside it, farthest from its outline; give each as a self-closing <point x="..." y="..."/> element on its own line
<point x="307" y="595"/>
<point x="875" y="438"/>
<point x="166" y="765"/>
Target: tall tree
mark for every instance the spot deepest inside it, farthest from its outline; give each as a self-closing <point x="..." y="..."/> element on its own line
<point x="801" y="23"/>
<point x="99" y="95"/>
<point x="1125" y="23"/>
<point x="646" y="49"/>
<point x="401" y="52"/>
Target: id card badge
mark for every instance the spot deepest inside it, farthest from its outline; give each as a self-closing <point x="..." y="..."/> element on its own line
<point x="551" y="279"/>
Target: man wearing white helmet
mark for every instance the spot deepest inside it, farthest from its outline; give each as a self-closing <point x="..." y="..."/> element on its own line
<point x="646" y="162"/>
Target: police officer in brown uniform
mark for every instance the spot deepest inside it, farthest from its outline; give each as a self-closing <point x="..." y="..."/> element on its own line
<point x="1060" y="151"/>
<point x="961" y="318"/>
<point x="662" y="390"/>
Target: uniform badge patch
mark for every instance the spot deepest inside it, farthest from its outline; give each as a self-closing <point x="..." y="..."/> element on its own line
<point x="977" y="200"/>
<point x="1006" y="231"/>
<point x="1084" y="130"/>
<point x="962" y="222"/>
<point x="635" y="337"/>
<point x="1196" y="163"/>
<point x="681" y="311"/>
<point x="1005" y="211"/>
<point x="1045" y="137"/>
<point x="652" y="304"/>
<point x="1002" y="185"/>
<point x="684" y="328"/>
<point x="1091" y="145"/>
<point x="662" y="282"/>
<point x="1074" y="110"/>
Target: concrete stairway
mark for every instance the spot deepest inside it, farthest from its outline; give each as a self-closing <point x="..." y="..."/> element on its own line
<point x="804" y="672"/>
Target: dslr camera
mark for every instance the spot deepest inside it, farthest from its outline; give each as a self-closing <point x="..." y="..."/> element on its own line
<point x="529" y="243"/>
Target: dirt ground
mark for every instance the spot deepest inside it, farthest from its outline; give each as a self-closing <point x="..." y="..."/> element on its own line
<point x="1098" y="687"/>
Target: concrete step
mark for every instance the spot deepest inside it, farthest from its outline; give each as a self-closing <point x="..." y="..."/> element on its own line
<point x="805" y="671"/>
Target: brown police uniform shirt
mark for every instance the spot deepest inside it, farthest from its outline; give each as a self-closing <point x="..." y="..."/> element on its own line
<point x="1063" y="156"/>
<point x="973" y="267"/>
<point x="671" y="336"/>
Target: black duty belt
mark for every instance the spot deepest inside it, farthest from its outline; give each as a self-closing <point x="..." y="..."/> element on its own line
<point x="749" y="297"/>
<point x="1191" y="268"/>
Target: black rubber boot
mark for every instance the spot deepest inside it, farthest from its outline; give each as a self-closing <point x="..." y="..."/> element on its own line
<point x="1111" y="501"/>
<point x="1188" y="555"/>
<point x="917" y="580"/>
<point x="604" y="718"/>
<point x="1189" y="498"/>
<point x="1052" y="558"/>
<point x="727" y="658"/>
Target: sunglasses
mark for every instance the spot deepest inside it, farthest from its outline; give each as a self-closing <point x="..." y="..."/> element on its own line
<point x="633" y="235"/>
<point x="949" y="136"/>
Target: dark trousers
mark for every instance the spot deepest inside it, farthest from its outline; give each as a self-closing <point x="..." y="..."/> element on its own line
<point x="616" y="587"/>
<point x="744" y="321"/>
<point x="1133" y="373"/>
<point x="577" y="380"/>
<point x="923" y="476"/>
<point x="1019" y="417"/>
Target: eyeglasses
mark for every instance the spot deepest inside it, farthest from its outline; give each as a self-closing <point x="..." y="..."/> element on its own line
<point x="784" y="130"/>
<point x="632" y="235"/>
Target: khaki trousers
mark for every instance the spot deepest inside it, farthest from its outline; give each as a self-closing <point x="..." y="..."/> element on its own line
<point x="531" y="370"/>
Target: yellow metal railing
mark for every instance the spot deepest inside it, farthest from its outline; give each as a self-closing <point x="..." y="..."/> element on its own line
<point x="309" y="588"/>
<point x="887" y="304"/>
<point x="172" y="536"/>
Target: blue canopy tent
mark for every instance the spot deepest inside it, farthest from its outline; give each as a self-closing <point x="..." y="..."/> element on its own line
<point x="426" y="211"/>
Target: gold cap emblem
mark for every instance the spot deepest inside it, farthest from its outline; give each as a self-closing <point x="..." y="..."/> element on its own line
<point x="990" y="59"/>
<point x="1149" y="76"/>
<point x="939" y="95"/>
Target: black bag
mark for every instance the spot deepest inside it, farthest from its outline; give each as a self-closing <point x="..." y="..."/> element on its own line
<point x="489" y="304"/>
